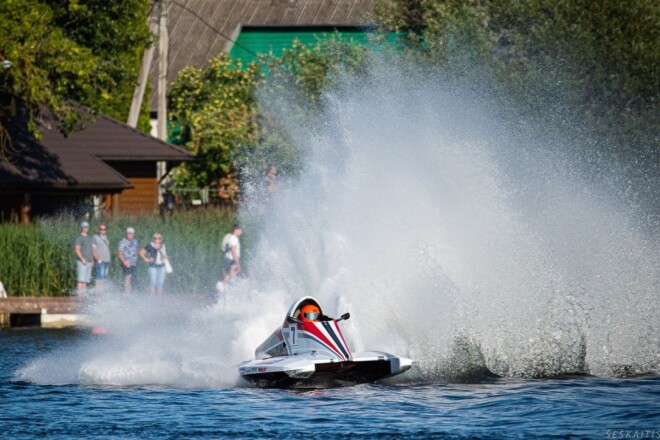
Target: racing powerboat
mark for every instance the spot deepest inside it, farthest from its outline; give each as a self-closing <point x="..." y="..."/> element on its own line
<point x="309" y="351"/>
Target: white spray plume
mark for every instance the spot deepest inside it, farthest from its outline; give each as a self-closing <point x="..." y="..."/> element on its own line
<point x="431" y="217"/>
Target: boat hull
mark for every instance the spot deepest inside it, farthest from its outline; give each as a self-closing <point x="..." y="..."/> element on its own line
<point x="309" y="372"/>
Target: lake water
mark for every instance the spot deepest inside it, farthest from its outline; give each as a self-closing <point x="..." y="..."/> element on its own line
<point x="579" y="407"/>
<point x="456" y="232"/>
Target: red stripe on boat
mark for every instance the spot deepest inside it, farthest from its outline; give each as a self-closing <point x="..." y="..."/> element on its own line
<point x="311" y="328"/>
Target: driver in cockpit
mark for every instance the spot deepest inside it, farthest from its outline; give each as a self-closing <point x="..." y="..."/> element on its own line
<point x="310" y="313"/>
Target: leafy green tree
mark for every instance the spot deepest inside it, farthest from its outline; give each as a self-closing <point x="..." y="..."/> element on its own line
<point x="217" y="116"/>
<point x="116" y="33"/>
<point x="68" y="53"/>
<point x="567" y="66"/>
<point x="310" y="70"/>
<point x="295" y="82"/>
<point x="213" y="110"/>
<point x="445" y="33"/>
<point x="599" y="59"/>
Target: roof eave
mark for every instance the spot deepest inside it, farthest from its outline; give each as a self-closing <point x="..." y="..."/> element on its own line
<point x="67" y="188"/>
<point x="145" y="158"/>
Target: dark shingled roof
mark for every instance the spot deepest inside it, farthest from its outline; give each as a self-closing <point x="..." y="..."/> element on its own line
<point x="198" y="29"/>
<point x="109" y="139"/>
<point x="75" y="163"/>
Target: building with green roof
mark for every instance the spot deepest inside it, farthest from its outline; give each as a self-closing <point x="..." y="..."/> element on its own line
<point x="255" y="41"/>
<point x="202" y="29"/>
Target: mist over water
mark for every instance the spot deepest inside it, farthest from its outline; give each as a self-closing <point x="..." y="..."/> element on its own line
<point x="453" y="235"/>
<point x="434" y="218"/>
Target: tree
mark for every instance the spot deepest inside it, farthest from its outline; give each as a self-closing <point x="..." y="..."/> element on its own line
<point x="69" y="53"/>
<point x="598" y="59"/>
<point x="213" y="111"/>
<point x="217" y="116"/>
<point x="116" y="33"/>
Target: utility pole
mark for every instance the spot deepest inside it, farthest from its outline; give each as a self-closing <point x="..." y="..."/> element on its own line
<point x="158" y="26"/>
<point x="163" y="48"/>
<point x="143" y="77"/>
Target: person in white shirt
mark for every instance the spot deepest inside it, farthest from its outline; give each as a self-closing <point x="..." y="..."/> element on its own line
<point x="232" y="264"/>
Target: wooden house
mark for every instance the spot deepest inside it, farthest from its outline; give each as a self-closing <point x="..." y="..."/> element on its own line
<point x="107" y="158"/>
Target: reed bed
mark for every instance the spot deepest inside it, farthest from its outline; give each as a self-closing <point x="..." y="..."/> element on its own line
<point x="39" y="259"/>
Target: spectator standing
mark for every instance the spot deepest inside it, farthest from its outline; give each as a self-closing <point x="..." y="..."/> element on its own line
<point x="128" y="256"/>
<point x="156" y="255"/>
<point x="232" y="264"/>
<point x="101" y="252"/>
<point x="84" y="249"/>
<point x="270" y="179"/>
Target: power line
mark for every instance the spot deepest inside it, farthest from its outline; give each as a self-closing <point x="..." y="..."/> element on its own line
<point x="214" y="29"/>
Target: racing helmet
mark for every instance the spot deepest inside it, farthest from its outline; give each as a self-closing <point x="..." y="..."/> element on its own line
<point x="309" y="313"/>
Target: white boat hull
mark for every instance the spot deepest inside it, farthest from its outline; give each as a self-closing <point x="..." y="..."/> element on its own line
<point x="303" y="371"/>
<point x="314" y="354"/>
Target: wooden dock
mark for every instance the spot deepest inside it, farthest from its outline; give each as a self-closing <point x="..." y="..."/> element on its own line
<point x="34" y="311"/>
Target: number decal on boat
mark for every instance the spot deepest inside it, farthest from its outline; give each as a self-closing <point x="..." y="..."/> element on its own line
<point x="294" y="335"/>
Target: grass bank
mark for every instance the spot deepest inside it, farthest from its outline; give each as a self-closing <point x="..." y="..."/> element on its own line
<point x="38" y="259"/>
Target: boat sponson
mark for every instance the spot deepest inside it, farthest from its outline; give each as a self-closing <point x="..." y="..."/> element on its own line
<point x="326" y="375"/>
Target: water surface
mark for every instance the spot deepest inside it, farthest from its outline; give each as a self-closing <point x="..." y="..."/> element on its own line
<point x="580" y="407"/>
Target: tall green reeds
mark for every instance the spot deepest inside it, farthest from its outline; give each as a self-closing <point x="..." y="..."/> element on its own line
<point x="31" y="265"/>
<point x="38" y="259"/>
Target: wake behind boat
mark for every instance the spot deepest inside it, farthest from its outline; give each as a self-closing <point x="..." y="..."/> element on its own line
<point x="309" y="351"/>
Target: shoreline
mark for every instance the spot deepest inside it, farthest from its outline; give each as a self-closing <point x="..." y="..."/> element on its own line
<point x="60" y="311"/>
<point x="41" y="311"/>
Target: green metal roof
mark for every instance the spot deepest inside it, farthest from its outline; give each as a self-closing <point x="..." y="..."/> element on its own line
<point x="254" y="41"/>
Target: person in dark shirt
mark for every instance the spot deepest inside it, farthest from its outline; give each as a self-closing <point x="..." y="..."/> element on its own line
<point x="156" y="255"/>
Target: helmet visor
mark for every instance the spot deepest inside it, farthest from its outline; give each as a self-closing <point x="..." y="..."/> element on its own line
<point x="311" y="316"/>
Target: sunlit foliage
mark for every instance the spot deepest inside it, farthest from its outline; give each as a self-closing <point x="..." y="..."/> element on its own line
<point x="216" y="115"/>
<point x="596" y="61"/>
<point x="70" y="52"/>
